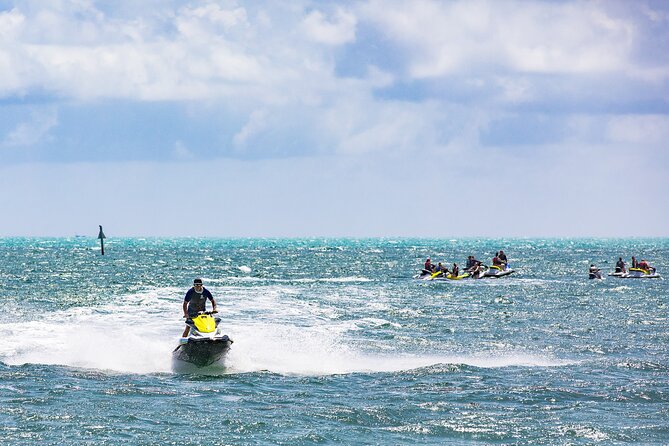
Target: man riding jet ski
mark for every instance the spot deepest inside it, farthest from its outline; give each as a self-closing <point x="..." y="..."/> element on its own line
<point x="475" y="268"/>
<point x="202" y="342"/>
<point x="594" y="272"/>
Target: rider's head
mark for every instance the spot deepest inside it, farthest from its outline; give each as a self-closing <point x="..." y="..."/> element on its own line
<point x="197" y="284"/>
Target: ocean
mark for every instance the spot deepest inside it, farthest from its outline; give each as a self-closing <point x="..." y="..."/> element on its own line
<point x="334" y="343"/>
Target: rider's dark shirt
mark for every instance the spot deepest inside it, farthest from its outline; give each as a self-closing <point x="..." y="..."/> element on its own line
<point x="196" y="301"/>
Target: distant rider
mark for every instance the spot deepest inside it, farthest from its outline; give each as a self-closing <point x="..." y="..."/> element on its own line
<point x="429" y="267"/>
<point x="195" y="302"/>
<point x="456" y="271"/>
<point x="496" y="261"/>
<point x="594" y="272"/>
<point x="620" y="266"/>
<point x="635" y="264"/>
<point x="646" y="266"/>
<point x="502" y="257"/>
<point x="473" y="266"/>
<point x="441" y="269"/>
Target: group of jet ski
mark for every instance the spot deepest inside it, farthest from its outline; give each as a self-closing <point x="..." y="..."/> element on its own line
<point x="474" y="269"/>
<point x="638" y="270"/>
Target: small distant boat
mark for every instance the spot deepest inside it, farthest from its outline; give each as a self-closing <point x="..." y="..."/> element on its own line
<point x="636" y="273"/>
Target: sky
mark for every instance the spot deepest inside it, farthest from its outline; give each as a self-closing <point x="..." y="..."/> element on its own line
<point x="297" y="118"/>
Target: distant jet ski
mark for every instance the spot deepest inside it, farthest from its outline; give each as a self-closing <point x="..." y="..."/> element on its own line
<point x="637" y="273"/>
<point x="450" y="276"/>
<point x="458" y="277"/>
<point x="424" y="275"/>
<point x="498" y="271"/>
<point x="594" y="273"/>
<point x="439" y="276"/>
<point x="205" y="344"/>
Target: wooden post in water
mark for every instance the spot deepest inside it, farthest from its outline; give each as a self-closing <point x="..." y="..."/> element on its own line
<point x="102" y="238"/>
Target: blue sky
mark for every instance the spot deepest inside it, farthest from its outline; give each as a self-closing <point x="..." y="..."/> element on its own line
<point x="343" y="118"/>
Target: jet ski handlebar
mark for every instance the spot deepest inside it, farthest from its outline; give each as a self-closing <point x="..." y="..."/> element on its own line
<point x="202" y="312"/>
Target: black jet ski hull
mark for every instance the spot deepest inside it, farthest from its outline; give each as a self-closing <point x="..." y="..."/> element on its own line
<point x="202" y="352"/>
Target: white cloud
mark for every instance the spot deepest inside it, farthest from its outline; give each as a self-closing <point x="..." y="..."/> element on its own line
<point x="259" y="53"/>
<point x="337" y="31"/>
<point x="32" y="132"/>
<point x="442" y="38"/>
<point x="214" y="14"/>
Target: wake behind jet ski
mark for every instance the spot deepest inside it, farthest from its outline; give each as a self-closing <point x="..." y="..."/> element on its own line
<point x="205" y="343"/>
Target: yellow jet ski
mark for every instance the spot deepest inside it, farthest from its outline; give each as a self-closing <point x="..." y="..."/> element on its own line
<point x="205" y="343"/>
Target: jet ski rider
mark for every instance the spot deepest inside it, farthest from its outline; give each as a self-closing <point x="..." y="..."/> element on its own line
<point x="429" y="267"/>
<point x="473" y="266"/>
<point x="620" y="265"/>
<point x="195" y="302"/>
<point x="643" y="264"/>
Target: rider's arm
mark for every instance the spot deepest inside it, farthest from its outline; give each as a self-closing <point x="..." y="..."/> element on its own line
<point x="186" y="300"/>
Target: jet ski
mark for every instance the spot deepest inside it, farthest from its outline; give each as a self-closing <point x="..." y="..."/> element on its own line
<point x="637" y="273"/>
<point x="439" y="276"/>
<point x="595" y="275"/>
<point x="205" y="343"/>
<point x="594" y="272"/>
<point x="424" y="275"/>
<point x="450" y="276"/>
<point x="498" y="271"/>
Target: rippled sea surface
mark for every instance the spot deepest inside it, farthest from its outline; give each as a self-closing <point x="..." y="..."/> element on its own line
<point x="334" y="343"/>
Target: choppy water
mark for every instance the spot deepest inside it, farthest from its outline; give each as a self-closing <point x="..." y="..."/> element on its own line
<point x="334" y="344"/>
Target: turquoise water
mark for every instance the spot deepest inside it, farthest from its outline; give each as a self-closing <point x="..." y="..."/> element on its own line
<point x="334" y="344"/>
